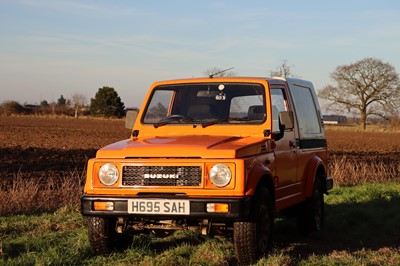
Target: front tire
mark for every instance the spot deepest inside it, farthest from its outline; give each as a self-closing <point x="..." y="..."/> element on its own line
<point x="252" y="239"/>
<point x="103" y="238"/>
<point x="312" y="211"/>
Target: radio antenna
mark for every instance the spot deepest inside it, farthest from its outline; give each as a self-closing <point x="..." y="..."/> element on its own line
<point x="222" y="71"/>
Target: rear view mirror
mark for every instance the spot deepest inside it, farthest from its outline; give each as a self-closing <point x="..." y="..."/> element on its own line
<point x="207" y="94"/>
<point x="130" y="118"/>
<point x="286" y="120"/>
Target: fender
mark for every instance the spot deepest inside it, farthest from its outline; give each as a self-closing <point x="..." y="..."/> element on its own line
<point x="254" y="177"/>
<point x="310" y="173"/>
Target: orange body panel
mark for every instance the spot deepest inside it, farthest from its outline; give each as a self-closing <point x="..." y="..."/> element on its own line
<point x="251" y="152"/>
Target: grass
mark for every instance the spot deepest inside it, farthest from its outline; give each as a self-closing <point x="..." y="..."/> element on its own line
<point x="361" y="229"/>
<point x="370" y="211"/>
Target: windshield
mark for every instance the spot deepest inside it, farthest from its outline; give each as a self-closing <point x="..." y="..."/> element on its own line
<point x="206" y="104"/>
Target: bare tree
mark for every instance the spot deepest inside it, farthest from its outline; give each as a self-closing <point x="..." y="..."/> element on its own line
<point x="219" y="72"/>
<point x="369" y="87"/>
<point x="283" y="70"/>
<point x="78" y="100"/>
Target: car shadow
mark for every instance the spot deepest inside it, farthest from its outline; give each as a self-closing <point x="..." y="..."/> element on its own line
<point x="370" y="225"/>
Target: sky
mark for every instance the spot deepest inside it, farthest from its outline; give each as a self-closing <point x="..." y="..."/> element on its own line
<point x="50" y="48"/>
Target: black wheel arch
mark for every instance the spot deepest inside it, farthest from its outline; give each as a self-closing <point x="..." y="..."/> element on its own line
<point x="315" y="169"/>
<point x="321" y="175"/>
<point x="267" y="182"/>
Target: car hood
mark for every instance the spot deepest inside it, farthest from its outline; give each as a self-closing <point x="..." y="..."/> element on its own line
<point x="203" y="146"/>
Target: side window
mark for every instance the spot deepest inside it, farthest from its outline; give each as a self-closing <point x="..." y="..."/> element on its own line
<point x="306" y="110"/>
<point x="159" y="106"/>
<point x="278" y="99"/>
<point x="250" y="107"/>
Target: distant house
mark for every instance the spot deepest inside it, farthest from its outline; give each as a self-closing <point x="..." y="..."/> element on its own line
<point x="334" y="119"/>
<point x="32" y="108"/>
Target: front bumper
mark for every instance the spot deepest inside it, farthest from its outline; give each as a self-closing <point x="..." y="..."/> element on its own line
<point x="239" y="208"/>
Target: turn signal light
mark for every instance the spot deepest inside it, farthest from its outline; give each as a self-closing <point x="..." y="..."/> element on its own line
<point x="103" y="206"/>
<point x="218" y="207"/>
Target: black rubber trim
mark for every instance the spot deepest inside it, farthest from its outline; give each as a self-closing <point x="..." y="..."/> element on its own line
<point x="312" y="143"/>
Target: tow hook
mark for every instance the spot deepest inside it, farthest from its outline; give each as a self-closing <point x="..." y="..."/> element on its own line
<point x="205" y="227"/>
<point x="120" y="226"/>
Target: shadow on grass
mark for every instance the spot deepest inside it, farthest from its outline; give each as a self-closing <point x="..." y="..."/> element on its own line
<point x="159" y="245"/>
<point x="351" y="227"/>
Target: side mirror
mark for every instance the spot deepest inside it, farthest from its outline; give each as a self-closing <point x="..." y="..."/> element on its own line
<point x="130" y="118"/>
<point x="286" y="120"/>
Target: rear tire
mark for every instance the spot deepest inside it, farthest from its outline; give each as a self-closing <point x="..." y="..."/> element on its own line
<point x="103" y="238"/>
<point x="311" y="212"/>
<point x="252" y="239"/>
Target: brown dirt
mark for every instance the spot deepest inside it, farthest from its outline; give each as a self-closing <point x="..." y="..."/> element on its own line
<point x="42" y="147"/>
<point x="370" y="147"/>
<point x="348" y="142"/>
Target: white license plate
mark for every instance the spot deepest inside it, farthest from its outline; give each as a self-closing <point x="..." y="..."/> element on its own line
<point x="159" y="206"/>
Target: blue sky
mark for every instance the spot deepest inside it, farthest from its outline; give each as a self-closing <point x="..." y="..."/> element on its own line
<point x="49" y="47"/>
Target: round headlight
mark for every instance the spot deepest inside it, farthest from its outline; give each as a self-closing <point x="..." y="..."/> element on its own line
<point x="220" y="175"/>
<point x="108" y="174"/>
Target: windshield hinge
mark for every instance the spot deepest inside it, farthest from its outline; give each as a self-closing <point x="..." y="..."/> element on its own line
<point x="135" y="133"/>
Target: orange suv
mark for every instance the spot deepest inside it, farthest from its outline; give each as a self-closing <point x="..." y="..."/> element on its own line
<point x="217" y="155"/>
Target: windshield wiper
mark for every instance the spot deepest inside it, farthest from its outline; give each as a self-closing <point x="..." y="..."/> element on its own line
<point x="168" y="120"/>
<point x="180" y="118"/>
<point x="213" y="122"/>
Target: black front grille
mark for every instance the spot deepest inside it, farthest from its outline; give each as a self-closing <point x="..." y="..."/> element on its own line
<point x="161" y="175"/>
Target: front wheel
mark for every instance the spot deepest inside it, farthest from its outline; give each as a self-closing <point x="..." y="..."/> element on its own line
<point x="252" y="239"/>
<point x="311" y="213"/>
<point x="103" y="238"/>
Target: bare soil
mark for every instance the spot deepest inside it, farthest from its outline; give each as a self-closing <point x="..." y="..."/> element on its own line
<point x="364" y="145"/>
<point x="45" y="146"/>
<point x="39" y="147"/>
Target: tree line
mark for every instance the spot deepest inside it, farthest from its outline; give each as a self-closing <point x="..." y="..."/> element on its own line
<point x="106" y="103"/>
<point x="368" y="87"/>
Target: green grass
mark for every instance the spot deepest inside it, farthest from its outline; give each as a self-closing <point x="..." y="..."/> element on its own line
<point x="361" y="228"/>
<point x="369" y="213"/>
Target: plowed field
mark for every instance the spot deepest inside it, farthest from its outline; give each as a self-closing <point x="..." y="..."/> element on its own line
<point x="367" y="146"/>
<point x="40" y="147"/>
